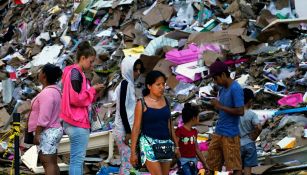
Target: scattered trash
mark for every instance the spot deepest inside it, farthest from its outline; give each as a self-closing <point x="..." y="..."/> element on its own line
<point x="263" y="43"/>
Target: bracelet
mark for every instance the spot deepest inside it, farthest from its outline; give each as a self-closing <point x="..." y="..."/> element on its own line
<point x="177" y="147"/>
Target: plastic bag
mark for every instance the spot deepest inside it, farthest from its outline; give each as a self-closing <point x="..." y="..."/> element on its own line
<point x="185" y="15"/>
<point x="291" y="118"/>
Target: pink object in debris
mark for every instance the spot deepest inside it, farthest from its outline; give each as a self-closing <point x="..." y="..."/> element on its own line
<point x="211" y="47"/>
<point x="291" y="100"/>
<point x="203" y="146"/>
<point x="191" y="53"/>
<point x="180" y="122"/>
<point x="11" y="157"/>
<point x="186" y="79"/>
<point x="183" y="56"/>
<point x="231" y="62"/>
<point x="199" y="165"/>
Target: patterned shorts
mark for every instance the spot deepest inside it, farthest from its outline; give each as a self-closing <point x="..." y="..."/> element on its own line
<point x="147" y="152"/>
<point x="224" y="151"/>
<point x="49" y="140"/>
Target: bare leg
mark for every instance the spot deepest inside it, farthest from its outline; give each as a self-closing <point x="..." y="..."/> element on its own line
<point x="166" y="166"/>
<point x="237" y="172"/>
<point x="247" y="170"/>
<point x="154" y="167"/>
<point x="50" y="164"/>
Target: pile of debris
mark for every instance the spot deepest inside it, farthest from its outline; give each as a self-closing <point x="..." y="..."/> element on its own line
<point x="264" y="43"/>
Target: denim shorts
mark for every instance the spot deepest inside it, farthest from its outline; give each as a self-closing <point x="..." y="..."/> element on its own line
<point x="49" y="140"/>
<point x="187" y="167"/>
<point x="249" y="155"/>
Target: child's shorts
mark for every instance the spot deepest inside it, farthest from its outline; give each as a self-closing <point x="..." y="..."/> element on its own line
<point x="249" y="155"/>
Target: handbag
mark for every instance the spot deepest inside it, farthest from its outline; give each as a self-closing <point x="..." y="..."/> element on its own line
<point x="29" y="136"/>
<point x="138" y="152"/>
<point x="162" y="151"/>
<point x="138" y="147"/>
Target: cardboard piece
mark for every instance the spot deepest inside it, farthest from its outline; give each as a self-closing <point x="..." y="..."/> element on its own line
<point x="5" y="117"/>
<point x="240" y="10"/>
<point x="114" y="20"/>
<point x="287" y="143"/>
<point x="48" y="55"/>
<point x="241" y="24"/>
<point x="229" y="38"/>
<point x="210" y="57"/>
<point x="128" y="29"/>
<point x="285" y="21"/>
<point x="149" y="62"/>
<point x="265" y="18"/>
<point x="261" y="169"/>
<point x="275" y="33"/>
<point x="158" y="14"/>
<point x="164" y="66"/>
<point x="177" y="35"/>
<point x="172" y="82"/>
<point x="3" y="4"/>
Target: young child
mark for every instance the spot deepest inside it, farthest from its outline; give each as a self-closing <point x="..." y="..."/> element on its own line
<point x="250" y="129"/>
<point x="187" y="139"/>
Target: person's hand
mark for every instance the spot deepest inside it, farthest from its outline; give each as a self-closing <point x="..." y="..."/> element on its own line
<point x="216" y="104"/>
<point x="36" y="139"/>
<point x="127" y="138"/>
<point x="177" y="152"/>
<point x="133" y="159"/>
<point x="98" y="87"/>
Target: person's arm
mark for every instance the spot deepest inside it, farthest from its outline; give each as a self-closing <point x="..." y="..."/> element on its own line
<point x="38" y="131"/>
<point x="122" y="106"/>
<point x="233" y="111"/>
<point x="76" y="80"/>
<point x="256" y="123"/>
<point x="174" y="137"/>
<point x="136" y="131"/>
<point x="78" y="97"/>
<point x="46" y="106"/>
<point x="177" y="135"/>
<point x="254" y="135"/>
<point x="200" y="155"/>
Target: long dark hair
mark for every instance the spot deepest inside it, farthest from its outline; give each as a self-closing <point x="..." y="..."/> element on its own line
<point x="151" y="78"/>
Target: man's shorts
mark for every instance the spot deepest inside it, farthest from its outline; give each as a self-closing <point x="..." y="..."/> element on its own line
<point x="224" y="151"/>
<point x="249" y="155"/>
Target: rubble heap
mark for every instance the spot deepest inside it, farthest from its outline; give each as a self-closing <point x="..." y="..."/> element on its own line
<point x="263" y="41"/>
